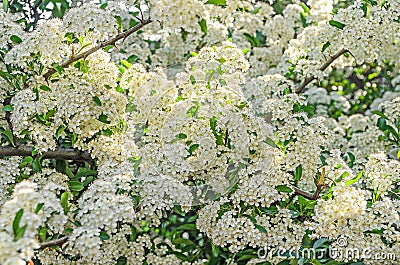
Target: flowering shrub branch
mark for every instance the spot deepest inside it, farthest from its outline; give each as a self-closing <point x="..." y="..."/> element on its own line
<point x="54" y="242"/>
<point x="59" y="154"/>
<point x="104" y="44"/>
<point x="35" y="12"/>
<point x="307" y="195"/>
<point x="302" y="87"/>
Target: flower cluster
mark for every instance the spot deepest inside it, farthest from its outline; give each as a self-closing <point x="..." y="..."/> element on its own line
<point x="21" y="216"/>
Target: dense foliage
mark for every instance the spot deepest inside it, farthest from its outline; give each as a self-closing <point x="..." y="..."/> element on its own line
<point x="199" y="132"/>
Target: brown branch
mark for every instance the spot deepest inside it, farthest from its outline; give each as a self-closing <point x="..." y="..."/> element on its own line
<point x="112" y="42"/>
<point x="308" y="80"/>
<point x="36" y="15"/>
<point x="38" y="3"/>
<point x="320" y="186"/>
<point x="60" y="153"/>
<point x="306" y="194"/>
<point x="53" y="243"/>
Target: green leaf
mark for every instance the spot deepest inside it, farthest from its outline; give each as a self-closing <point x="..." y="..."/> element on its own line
<point x="352" y="159"/>
<point x="316" y="262"/>
<point x="283" y="188"/>
<point x="270" y="142"/>
<point x="325" y="46"/>
<point x="10" y="138"/>
<point x="252" y="219"/>
<point x="192" y="218"/>
<point x="194" y="54"/>
<point x="88" y="180"/>
<point x="372" y="76"/>
<point x="26" y="161"/>
<point x="34" y="152"/>
<point x="192" y="79"/>
<point x="214" y="250"/>
<point x="16" y="39"/>
<point x="217" y="2"/>
<point x="305" y="8"/>
<point x="130" y="107"/>
<point x="245" y="51"/>
<point x="20" y="232"/>
<point x="17" y="220"/>
<point x="319" y="243"/>
<point x="6" y="76"/>
<point x="203" y="25"/>
<point x="298" y="173"/>
<point x="36" y="166"/>
<point x="136" y="161"/>
<point x="8" y="108"/>
<point x="354" y="180"/>
<point x="5" y="5"/>
<point x="332" y="262"/>
<point x="64" y="201"/>
<point x="68" y="171"/>
<point x="45" y="88"/>
<point x="193" y="111"/>
<point x="178" y="209"/>
<point x="59" y="69"/>
<point x="187" y="227"/>
<point x="179" y="255"/>
<point x="39" y="207"/>
<point x="97" y="101"/>
<point x="104" y="118"/>
<point x="246" y="257"/>
<point x="381" y="123"/>
<point x="75" y="185"/>
<point x="185" y="241"/>
<point x="365" y="8"/>
<point x="392" y="131"/>
<point x="119" y="22"/>
<point x="339" y="179"/>
<point x="381" y="114"/>
<point x="181" y="136"/>
<point x="104" y="236"/>
<point x="253" y="40"/>
<point x="126" y="64"/>
<point x="84" y="172"/>
<point x="336" y="24"/>
<point x="42" y="233"/>
<point x="69" y="37"/>
<point x="262" y="229"/>
<point x="221" y="60"/>
<point x="303" y="18"/>
<point x="59" y="131"/>
<point x="122" y="261"/>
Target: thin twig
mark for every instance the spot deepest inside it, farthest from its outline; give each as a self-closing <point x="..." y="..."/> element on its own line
<point x="59" y="153"/>
<point x="38" y="3"/>
<point x="112" y="42"/>
<point x="302" y="87"/>
<point x="36" y="14"/>
<point x="53" y="243"/>
<point x="306" y="194"/>
<point x="320" y="186"/>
